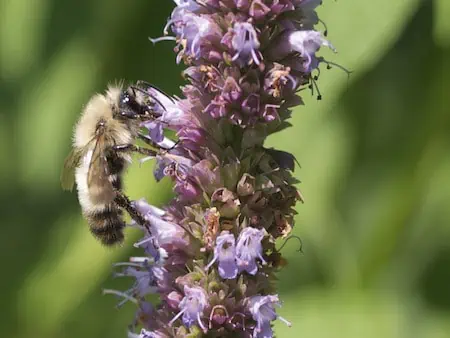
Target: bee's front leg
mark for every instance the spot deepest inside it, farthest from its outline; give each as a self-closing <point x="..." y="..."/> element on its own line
<point x="156" y="145"/>
<point x="127" y="148"/>
<point x="149" y="141"/>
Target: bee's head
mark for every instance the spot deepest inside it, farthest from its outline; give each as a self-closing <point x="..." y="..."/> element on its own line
<point x="129" y="107"/>
<point x="136" y="102"/>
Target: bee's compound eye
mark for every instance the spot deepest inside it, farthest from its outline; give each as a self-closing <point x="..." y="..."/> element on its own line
<point x="125" y="98"/>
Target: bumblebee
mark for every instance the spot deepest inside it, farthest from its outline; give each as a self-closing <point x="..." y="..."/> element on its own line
<point x="103" y="138"/>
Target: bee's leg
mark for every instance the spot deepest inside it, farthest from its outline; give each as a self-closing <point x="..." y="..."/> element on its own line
<point x="130" y="115"/>
<point x="149" y="141"/>
<point x="146" y="85"/>
<point x="127" y="148"/>
<point x="124" y="202"/>
<point x="152" y="143"/>
<point x="173" y="147"/>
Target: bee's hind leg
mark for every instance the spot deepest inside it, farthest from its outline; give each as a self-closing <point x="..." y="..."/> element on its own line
<point x="124" y="202"/>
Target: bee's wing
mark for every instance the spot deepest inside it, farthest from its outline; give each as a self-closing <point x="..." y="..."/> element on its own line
<point x="98" y="171"/>
<point x="68" y="172"/>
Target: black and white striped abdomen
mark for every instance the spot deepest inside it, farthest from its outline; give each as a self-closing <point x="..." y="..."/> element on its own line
<point x="107" y="225"/>
<point x="104" y="217"/>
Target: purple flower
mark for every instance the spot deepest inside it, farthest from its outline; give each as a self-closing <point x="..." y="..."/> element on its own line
<point x="231" y="90"/>
<point x="151" y="248"/>
<point x="155" y="131"/>
<point x="307" y="43"/>
<point x="225" y="253"/>
<point x="278" y="79"/>
<point x="193" y="30"/>
<point x="192" y="306"/>
<point x="280" y="6"/>
<point x="245" y="43"/>
<point x="167" y="108"/>
<point x="145" y="279"/>
<point x="304" y="42"/>
<point x="248" y="249"/>
<point x="173" y="165"/>
<point x="163" y="232"/>
<point x="263" y="312"/>
<point x="190" y="5"/>
<point x="217" y="108"/>
<point x="251" y="105"/>
<point x="258" y="10"/>
<point x="146" y="334"/>
<point x="196" y="29"/>
<point x="173" y="299"/>
<point x="271" y="112"/>
<point x="247" y="62"/>
<point x="242" y="5"/>
<point x="187" y="189"/>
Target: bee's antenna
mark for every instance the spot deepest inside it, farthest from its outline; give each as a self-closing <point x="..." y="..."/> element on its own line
<point x="155" y="88"/>
<point x="148" y="94"/>
<point x="134" y="90"/>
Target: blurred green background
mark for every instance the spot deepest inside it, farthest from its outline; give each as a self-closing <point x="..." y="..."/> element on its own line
<point x="375" y="156"/>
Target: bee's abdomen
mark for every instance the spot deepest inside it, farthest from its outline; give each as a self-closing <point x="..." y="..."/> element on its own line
<point x="107" y="225"/>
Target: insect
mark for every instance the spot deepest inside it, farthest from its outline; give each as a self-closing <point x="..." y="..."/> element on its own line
<point x="103" y="139"/>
